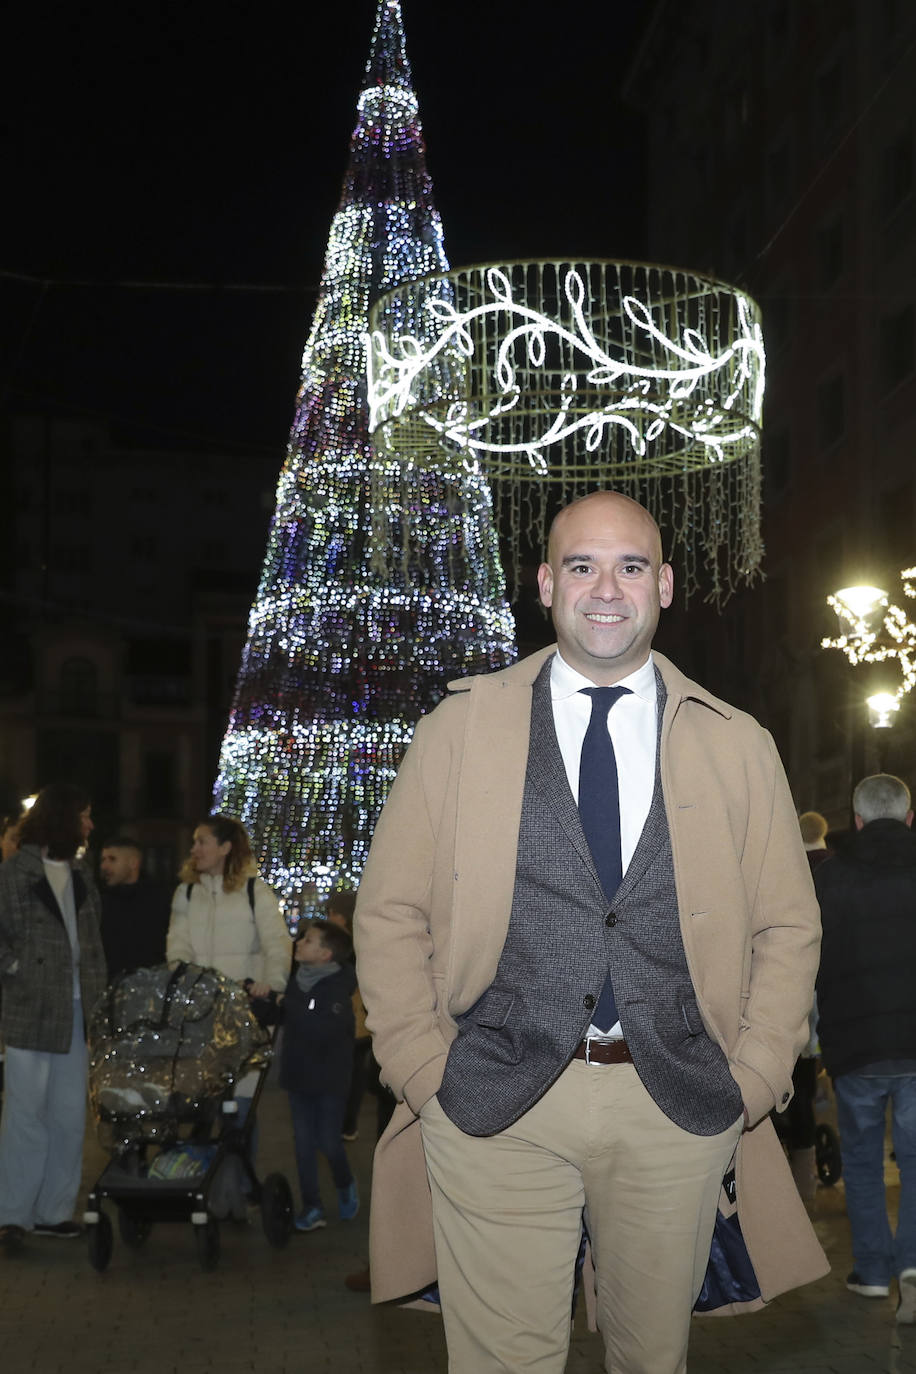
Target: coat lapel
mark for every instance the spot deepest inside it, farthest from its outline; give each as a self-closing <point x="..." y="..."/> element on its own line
<point x="547" y="772"/>
<point x="653" y="831"/>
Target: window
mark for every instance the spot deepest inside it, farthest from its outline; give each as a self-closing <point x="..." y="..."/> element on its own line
<point x="78" y="687"/>
<point x="145" y="547"/>
<point x="72" y="558"/>
<point x="896" y="347"/>
<point x="777" y="320"/>
<point x="897" y="170"/>
<point x="829" y="248"/>
<point x="777" y="463"/>
<point x="831" y="410"/>
<point x="897" y="533"/>
<point x="829" y="96"/>
<point x="159" y="782"/>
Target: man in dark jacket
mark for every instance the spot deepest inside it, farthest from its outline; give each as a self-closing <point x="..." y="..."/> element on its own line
<point x="316" y="1063"/>
<point x="135" y="912"/>
<point x="866" y="991"/>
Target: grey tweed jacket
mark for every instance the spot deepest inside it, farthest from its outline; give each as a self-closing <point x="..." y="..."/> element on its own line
<point x="36" y="963"/>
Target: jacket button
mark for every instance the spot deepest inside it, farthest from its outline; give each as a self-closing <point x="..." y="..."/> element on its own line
<point x="588" y="1001"/>
<point x="785" y="1098"/>
<point x="611" y="918"/>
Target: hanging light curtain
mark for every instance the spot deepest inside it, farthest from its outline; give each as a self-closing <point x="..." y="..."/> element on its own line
<point x="554" y="378"/>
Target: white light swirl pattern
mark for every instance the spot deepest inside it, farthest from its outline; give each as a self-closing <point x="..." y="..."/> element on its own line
<point x="631" y="376"/>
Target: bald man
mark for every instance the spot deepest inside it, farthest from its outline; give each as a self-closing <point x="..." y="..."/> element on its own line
<point x="587" y="941"/>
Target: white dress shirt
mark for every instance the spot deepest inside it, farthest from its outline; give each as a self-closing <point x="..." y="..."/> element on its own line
<point x="632" y="723"/>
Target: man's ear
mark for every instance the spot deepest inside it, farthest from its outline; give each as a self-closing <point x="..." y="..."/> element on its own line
<point x="665" y="584"/>
<point x="545" y="584"/>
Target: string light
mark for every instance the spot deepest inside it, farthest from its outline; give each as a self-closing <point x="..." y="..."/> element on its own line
<point x="875" y="631"/>
<point x="346" y="649"/>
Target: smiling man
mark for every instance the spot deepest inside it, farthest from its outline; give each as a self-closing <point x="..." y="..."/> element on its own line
<point x="587" y="941"/>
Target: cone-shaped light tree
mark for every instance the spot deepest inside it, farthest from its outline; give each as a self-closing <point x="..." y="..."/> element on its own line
<point x="347" y="647"/>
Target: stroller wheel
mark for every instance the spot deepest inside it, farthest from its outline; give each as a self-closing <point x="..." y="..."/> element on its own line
<point x="101" y="1243"/>
<point x="276" y="1210"/>
<point x="133" y="1230"/>
<point x="828" y="1159"/>
<point x="207" y="1239"/>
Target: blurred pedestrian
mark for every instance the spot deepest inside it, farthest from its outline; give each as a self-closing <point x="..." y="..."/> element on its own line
<point x="135" y="911"/>
<point x="52" y="969"/>
<point x="866" y="995"/>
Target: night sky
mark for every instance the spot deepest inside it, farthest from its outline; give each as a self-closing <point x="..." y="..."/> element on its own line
<point x="204" y="146"/>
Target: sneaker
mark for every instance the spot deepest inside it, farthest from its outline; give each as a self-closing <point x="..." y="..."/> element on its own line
<point x="866" y="1290"/>
<point x="64" y="1230"/>
<point x="348" y="1201"/>
<point x="312" y="1220"/>
<point x="11" y="1237"/>
<point x="906" y="1303"/>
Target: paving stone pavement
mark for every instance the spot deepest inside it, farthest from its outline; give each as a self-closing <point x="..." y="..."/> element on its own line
<point x="154" y="1311"/>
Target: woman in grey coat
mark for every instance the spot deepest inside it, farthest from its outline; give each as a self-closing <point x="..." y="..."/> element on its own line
<point x="52" y="971"/>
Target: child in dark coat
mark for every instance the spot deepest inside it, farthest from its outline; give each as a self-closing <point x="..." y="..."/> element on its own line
<point x="316" y="1062"/>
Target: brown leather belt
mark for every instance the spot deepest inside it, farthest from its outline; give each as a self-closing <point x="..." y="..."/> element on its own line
<point x="604" y="1052"/>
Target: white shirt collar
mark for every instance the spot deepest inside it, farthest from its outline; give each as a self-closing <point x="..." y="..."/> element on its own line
<point x="566" y="681"/>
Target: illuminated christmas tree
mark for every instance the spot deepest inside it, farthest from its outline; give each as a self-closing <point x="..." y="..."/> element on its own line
<point x="352" y="638"/>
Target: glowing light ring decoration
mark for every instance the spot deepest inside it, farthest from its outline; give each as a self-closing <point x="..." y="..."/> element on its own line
<point x="894" y="639"/>
<point x="583" y="375"/>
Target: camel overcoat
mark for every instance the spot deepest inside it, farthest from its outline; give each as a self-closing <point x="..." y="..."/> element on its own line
<point x="433" y="911"/>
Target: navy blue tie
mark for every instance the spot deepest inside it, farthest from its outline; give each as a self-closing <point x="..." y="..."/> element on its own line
<point x="599" y="812"/>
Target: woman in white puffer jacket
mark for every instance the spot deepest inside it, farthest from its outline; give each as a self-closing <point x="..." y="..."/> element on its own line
<point x="223" y="916"/>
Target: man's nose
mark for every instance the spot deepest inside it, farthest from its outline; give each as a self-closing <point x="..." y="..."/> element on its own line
<point x="607" y="587"/>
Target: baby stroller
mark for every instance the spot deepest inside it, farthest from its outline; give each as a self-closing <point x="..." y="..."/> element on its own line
<point x="167" y="1048"/>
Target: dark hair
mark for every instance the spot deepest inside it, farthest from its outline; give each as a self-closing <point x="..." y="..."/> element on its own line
<point x="336" y="940"/>
<point x="124" y="842"/>
<point x="54" y="820"/>
<point x="342" y="902"/>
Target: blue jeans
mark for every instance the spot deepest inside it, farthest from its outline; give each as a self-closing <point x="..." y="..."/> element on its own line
<point x="317" y="1125"/>
<point x="861" y="1116"/>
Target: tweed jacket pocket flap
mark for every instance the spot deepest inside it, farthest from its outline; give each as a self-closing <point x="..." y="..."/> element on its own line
<point x="493" y="1008"/>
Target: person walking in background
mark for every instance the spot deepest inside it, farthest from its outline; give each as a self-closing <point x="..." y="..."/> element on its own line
<point x="52" y="970"/>
<point x="866" y="996"/>
<point x="583" y="1002"/>
<point x="316" y="1061"/>
<point x="800" y="1123"/>
<point x="135" y="911"/>
<point x="814" y="827"/>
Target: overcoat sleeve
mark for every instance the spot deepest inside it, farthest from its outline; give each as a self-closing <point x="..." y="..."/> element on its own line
<point x="785" y="944"/>
<point x="394" y="946"/>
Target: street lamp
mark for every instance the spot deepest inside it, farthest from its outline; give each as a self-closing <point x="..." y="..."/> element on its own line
<point x="882" y="708"/>
<point x="872" y="631"/>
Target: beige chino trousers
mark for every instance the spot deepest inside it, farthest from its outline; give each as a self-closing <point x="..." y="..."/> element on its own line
<point x="507" y="1213"/>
